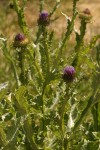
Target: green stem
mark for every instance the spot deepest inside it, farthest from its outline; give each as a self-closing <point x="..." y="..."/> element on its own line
<point x="74" y="6"/>
<point x="46" y="49"/>
<point x="41" y="5"/>
<point x="36" y="66"/>
<point x="29" y="134"/>
<point x="54" y="9"/>
<point x="38" y="70"/>
<point x="82" y="34"/>
<point x="84" y="112"/>
<point x="21" y="18"/>
<point x="15" y="73"/>
<point x="79" y="44"/>
<point x="23" y="77"/>
<point x="38" y="35"/>
<point x="3" y="139"/>
<point x="67" y="36"/>
<point x="9" y="58"/>
<point x="62" y="112"/>
<point x="95" y="116"/>
<point x="95" y="109"/>
<point x="15" y="2"/>
<point x="43" y="119"/>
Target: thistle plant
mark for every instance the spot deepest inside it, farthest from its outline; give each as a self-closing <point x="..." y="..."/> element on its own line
<point x="20" y="41"/>
<point x="68" y="74"/>
<point x="51" y="102"/>
<point x="43" y="19"/>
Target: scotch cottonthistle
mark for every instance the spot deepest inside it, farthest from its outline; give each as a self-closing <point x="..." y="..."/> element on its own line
<point x="42" y="107"/>
<point x="20" y="41"/>
<point x="85" y="15"/>
<point x="69" y="74"/>
<point x="44" y="19"/>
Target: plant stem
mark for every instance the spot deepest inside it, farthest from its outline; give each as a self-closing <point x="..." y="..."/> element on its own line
<point x="62" y="111"/>
<point x="38" y="70"/>
<point x="15" y="73"/>
<point x="41" y="5"/>
<point x="54" y="9"/>
<point x="95" y="116"/>
<point x="66" y="37"/>
<point x="46" y="49"/>
<point x="79" y="40"/>
<point x="84" y="112"/>
<point x="43" y="119"/>
<point x="10" y="59"/>
<point x="23" y="75"/>
<point x="38" y="35"/>
<point x="29" y="134"/>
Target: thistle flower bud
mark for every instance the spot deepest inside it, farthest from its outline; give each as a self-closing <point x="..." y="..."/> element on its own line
<point x="68" y="74"/>
<point x="87" y="11"/>
<point x="11" y="5"/>
<point x="44" y="19"/>
<point x="20" y="41"/>
<point x="85" y="15"/>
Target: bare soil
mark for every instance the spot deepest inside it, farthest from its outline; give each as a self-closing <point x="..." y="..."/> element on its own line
<point x="9" y="25"/>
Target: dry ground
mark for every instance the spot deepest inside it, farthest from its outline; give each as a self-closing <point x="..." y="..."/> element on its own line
<point x="8" y="19"/>
<point x="9" y="26"/>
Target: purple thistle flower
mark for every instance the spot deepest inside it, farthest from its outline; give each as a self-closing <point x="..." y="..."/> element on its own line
<point x="20" y="40"/>
<point x="85" y="15"/>
<point x="19" y="37"/>
<point x="87" y="11"/>
<point x="69" y="74"/>
<point x="44" y="19"/>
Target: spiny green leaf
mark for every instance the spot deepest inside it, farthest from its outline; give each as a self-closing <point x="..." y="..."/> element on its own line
<point x="22" y="99"/>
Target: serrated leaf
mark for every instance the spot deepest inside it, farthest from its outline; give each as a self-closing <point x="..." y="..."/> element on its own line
<point x="21" y="99"/>
<point x="3" y="138"/>
<point x="3" y="89"/>
<point x="12" y="133"/>
<point x="68" y="18"/>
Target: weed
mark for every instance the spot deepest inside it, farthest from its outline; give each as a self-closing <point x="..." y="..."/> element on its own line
<point x="52" y="101"/>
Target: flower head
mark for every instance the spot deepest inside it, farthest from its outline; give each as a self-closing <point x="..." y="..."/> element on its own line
<point x="20" y="40"/>
<point x="19" y="37"/>
<point x="85" y="15"/>
<point x="44" y="19"/>
<point x="68" y="73"/>
<point x="11" y="5"/>
<point x="87" y="11"/>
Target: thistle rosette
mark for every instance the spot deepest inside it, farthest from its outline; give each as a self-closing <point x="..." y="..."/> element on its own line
<point x="44" y="19"/>
<point x="20" y="41"/>
<point x="68" y="74"/>
<point x="85" y="15"/>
